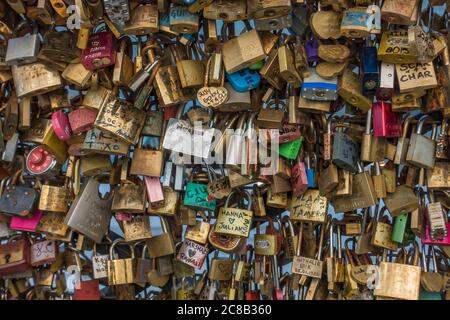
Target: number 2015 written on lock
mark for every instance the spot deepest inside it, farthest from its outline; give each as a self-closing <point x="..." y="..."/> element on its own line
<point x="234" y="222"/>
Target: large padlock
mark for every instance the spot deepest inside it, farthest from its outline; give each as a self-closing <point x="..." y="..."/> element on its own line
<point x="89" y="214"/>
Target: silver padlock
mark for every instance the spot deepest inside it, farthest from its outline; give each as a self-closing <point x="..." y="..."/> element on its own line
<point x="23" y="50"/>
<point x="180" y="178"/>
<point x="118" y="11"/>
<point x="167" y="178"/>
<point x="11" y="148"/>
<point x="235" y="146"/>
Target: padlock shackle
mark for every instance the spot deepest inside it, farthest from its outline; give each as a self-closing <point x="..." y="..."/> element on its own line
<point x="421" y="123"/>
<point x="246" y="194"/>
<point x="348" y="252"/>
<point x="406" y="124"/>
<point x="368" y="122"/>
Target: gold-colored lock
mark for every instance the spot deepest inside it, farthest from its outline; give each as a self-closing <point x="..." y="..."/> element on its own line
<point x="77" y="74"/>
<point x="144" y="20"/>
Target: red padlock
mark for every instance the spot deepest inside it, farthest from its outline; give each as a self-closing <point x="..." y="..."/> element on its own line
<point x="82" y="119"/>
<point x="100" y="51"/>
<point x="87" y="290"/>
<point x="61" y="125"/>
<point x="289" y="132"/>
<point x="385" y="122"/>
<point x="170" y="112"/>
<point x="40" y="161"/>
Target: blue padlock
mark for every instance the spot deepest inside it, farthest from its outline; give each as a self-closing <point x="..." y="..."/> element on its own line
<point x="186" y="39"/>
<point x="244" y="80"/>
<point x="370" y="71"/>
<point x="310" y="171"/>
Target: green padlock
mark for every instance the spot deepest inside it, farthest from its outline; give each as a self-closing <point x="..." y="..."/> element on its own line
<point x="424" y="295"/>
<point x="401" y="231"/>
<point x="257" y="65"/>
<point x="291" y="149"/>
<point x="197" y="197"/>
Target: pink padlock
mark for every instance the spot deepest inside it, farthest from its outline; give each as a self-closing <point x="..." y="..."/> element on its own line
<point x="385" y="122"/>
<point x="82" y="119"/>
<point x="122" y="216"/>
<point x="100" y="51"/>
<point x="299" y="179"/>
<point x="426" y="237"/>
<point x="61" y="125"/>
<point x="154" y="191"/>
<point x="26" y="224"/>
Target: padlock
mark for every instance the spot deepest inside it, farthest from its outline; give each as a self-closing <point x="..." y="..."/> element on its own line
<point x="183" y="21"/>
<point x="163" y="244"/>
<point x="123" y="65"/>
<point x="82" y="119"/>
<point x="302" y="265"/>
<point x="394" y="47"/>
<point x="234" y="221"/>
<point x="328" y="180"/>
<point x="421" y="150"/>
<point x="193" y="254"/>
<point x="299" y="178"/>
<point x="137" y="229"/>
<point x="191" y="72"/>
<point x="382" y="233"/>
<point x="120" y="119"/>
<point x="390" y="272"/>
<point x="271" y="70"/>
<point x="35" y="78"/>
<point x="77" y="74"/>
<point x="363" y="193"/>
<point x="400" y="231"/>
<point x="250" y="50"/>
<point x="345" y="152"/>
<point x="370" y="70"/>
<point x="23" y="50"/>
<point x="9" y="200"/>
<point x="15" y="255"/>
<point x="244" y="80"/>
<point x="118" y="11"/>
<point x="385" y="122"/>
<point x="55" y="198"/>
<point x="350" y="89"/>
<point x="100" y="51"/>
<point x="89" y="214"/>
<point x="144" y="19"/>
<point x="317" y="88"/>
<point x="415" y="76"/>
<point x="129" y="198"/>
<point x="226" y="11"/>
<point x="121" y="271"/>
<point x="399" y="12"/>
<point x="28" y="224"/>
<point x="387" y="78"/>
<point x="271" y="118"/>
<point x="309" y="207"/>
